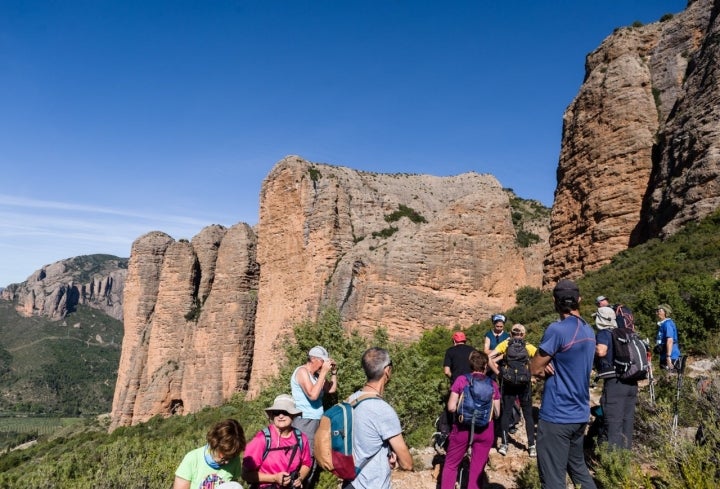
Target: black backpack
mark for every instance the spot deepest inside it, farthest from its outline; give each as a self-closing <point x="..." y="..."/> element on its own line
<point x="630" y="359"/>
<point x="515" y="366"/>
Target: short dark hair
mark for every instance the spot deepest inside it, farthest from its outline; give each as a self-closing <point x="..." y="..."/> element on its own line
<point x="227" y="437"/>
<point x="478" y="361"/>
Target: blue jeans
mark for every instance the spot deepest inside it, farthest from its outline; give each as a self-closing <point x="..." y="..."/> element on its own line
<point x="560" y="451"/>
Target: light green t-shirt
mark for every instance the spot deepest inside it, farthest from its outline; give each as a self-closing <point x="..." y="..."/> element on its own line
<point x="193" y="468"/>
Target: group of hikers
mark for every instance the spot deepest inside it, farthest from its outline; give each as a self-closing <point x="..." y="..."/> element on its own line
<point x="486" y="385"/>
<point x="282" y="454"/>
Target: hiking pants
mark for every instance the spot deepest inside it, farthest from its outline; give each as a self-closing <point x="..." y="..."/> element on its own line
<point x="457" y="447"/>
<point x="618" y="401"/>
<point x="560" y="451"/>
<point x="524" y="394"/>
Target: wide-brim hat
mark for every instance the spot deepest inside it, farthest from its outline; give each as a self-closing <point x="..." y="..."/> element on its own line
<point x="605" y="318"/>
<point x="284" y="402"/>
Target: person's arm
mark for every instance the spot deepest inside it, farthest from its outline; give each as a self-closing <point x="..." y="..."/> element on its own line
<point x="447" y="371"/>
<point x="256" y="476"/>
<point x="304" y="472"/>
<point x="494" y="357"/>
<point x="486" y="349"/>
<point x="401" y="452"/>
<point x="313" y="391"/>
<point x="668" y="351"/>
<point x="601" y="350"/>
<point x="496" y="408"/>
<point x="540" y="365"/>
<point x="181" y="483"/>
<point x="331" y="387"/>
<point x="453" y="402"/>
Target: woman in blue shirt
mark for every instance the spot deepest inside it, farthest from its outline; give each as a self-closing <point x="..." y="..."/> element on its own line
<point x="667" y="338"/>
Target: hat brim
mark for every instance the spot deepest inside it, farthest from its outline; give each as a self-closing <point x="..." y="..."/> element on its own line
<point x="291" y="411"/>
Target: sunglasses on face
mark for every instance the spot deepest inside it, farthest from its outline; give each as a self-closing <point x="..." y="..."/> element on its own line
<point x="278" y="413"/>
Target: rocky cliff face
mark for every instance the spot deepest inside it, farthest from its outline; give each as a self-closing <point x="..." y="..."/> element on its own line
<point x="640" y="141"/>
<point x="189" y="323"/>
<point x="96" y="281"/>
<point x="407" y="252"/>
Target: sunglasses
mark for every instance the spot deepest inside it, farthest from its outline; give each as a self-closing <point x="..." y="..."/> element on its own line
<point x="516" y="332"/>
<point x="278" y="413"/>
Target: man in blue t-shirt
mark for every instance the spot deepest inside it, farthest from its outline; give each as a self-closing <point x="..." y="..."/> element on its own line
<point x="564" y="359"/>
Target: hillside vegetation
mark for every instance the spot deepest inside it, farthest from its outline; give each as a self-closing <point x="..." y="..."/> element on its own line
<point x="683" y="272"/>
<point x="58" y="368"/>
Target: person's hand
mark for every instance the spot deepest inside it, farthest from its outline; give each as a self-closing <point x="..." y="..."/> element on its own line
<point x="282" y="479"/>
<point x="333" y="367"/>
<point x="392" y="460"/>
<point x="326" y="366"/>
<point x="549" y="369"/>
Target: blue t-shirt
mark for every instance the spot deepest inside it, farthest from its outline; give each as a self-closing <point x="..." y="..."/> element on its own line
<point x="566" y="396"/>
<point x="605" y="364"/>
<point x="668" y="329"/>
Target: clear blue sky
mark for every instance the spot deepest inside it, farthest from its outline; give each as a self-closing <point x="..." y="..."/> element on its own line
<point x="122" y="117"/>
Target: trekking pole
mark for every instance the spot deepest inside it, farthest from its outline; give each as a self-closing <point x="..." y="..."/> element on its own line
<point x="680" y="367"/>
<point x="651" y="379"/>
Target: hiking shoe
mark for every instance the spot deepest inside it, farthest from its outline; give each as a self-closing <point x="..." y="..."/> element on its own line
<point x="503" y="449"/>
<point x="532" y="451"/>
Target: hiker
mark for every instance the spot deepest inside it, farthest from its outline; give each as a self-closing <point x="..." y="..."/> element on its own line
<point x="457" y="357"/>
<point x="456" y="363"/>
<point x="496" y="334"/>
<point x="602" y="301"/>
<point x="378" y="443"/>
<point x="216" y="462"/>
<point x="619" y="397"/>
<point x="308" y="384"/>
<point x="564" y="359"/>
<point x="666" y="342"/>
<point x="514" y="388"/>
<point x="279" y="455"/>
<point x="459" y="439"/>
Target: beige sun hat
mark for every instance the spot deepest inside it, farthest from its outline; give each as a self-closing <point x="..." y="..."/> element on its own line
<point x="284" y="402"/>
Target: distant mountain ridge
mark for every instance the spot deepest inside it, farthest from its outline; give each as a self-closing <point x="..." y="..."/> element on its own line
<point x="54" y="290"/>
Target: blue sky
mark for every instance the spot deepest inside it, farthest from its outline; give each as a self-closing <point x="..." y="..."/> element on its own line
<point x="123" y="117"/>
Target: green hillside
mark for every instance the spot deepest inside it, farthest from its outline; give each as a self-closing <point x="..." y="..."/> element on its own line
<point x="58" y="368"/>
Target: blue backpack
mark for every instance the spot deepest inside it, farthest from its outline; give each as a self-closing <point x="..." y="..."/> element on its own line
<point x="475" y="403"/>
<point x="334" y="439"/>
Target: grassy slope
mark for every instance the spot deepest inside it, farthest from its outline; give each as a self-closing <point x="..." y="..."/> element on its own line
<point x="64" y="367"/>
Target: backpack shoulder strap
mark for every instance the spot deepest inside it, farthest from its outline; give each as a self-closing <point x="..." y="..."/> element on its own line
<point x="363" y="397"/>
<point x="266" y="432"/>
<point x="298" y="438"/>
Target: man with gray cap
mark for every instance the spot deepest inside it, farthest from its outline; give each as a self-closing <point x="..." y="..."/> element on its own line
<point x="308" y="384"/>
<point x="564" y="358"/>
